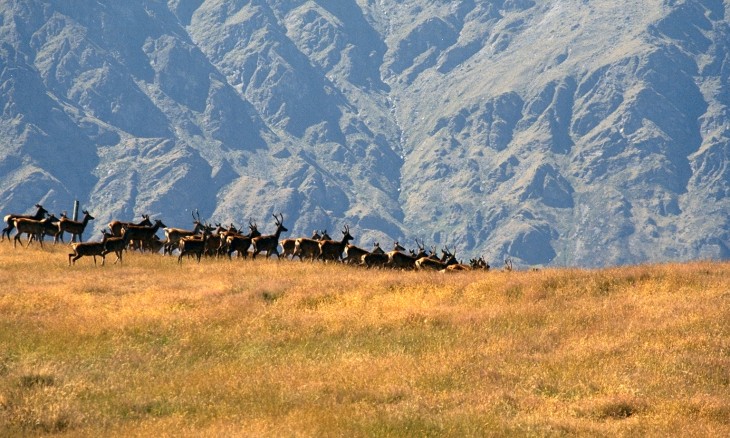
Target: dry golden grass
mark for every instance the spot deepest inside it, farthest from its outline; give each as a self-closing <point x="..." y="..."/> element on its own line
<point x="271" y="348"/>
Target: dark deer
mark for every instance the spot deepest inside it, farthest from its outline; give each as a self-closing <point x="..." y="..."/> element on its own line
<point x="10" y="219"/>
<point x="142" y="234"/>
<point x="379" y="258"/>
<point x="241" y="244"/>
<point x="75" y="228"/>
<point x="270" y="242"/>
<point x="117" y="227"/>
<point x="191" y="245"/>
<point x="332" y="249"/>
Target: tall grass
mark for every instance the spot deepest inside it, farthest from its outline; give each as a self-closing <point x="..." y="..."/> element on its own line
<point x="266" y="348"/>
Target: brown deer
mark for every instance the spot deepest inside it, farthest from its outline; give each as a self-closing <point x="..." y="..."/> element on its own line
<point x="50" y="228"/>
<point x="81" y="249"/>
<point x="117" y="227"/>
<point x="10" y="219"/>
<point x="270" y="242"/>
<point x="173" y="235"/>
<point x="241" y="244"/>
<point x="191" y="245"/>
<point x="33" y="228"/>
<point x="75" y="228"/>
<point x="354" y="254"/>
<point x="142" y="234"/>
<point x="332" y="249"/>
<point x="430" y="263"/>
<point x="379" y="258"/>
<point x="114" y="244"/>
<point x="399" y="260"/>
<point x="289" y="246"/>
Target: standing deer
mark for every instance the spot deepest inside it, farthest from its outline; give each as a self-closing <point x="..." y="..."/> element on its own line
<point x="10" y="219"/>
<point x="114" y="244"/>
<point x="117" y="227"/>
<point x="33" y="228"/>
<point x="399" y="260"/>
<point x="192" y="245"/>
<point x="289" y="246"/>
<point x="241" y="244"/>
<point x="269" y="243"/>
<point x="332" y="249"/>
<point x="143" y="235"/>
<point x="379" y="258"/>
<point x="81" y="249"/>
<point x="173" y="235"/>
<point x="75" y="228"/>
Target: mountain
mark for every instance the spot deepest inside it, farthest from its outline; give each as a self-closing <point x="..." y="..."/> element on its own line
<point x="561" y="132"/>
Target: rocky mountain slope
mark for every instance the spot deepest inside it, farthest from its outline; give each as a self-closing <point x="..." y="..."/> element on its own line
<point x="555" y="132"/>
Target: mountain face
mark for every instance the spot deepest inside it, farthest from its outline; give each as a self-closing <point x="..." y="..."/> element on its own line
<point x="559" y="132"/>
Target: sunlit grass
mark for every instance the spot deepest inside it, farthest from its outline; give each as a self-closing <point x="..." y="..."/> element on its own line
<point x="288" y="348"/>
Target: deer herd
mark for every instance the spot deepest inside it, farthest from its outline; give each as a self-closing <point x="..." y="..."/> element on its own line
<point x="216" y="241"/>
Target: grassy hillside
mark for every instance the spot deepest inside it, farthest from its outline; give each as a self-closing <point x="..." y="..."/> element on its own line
<point x="287" y="348"/>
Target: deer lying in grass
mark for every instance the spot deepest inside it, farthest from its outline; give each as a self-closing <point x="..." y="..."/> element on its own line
<point x="10" y="219"/>
<point x="434" y="264"/>
<point x="33" y="228"/>
<point x="75" y="228"/>
<point x="270" y="242"/>
<point x="332" y="249"/>
<point x="81" y="249"/>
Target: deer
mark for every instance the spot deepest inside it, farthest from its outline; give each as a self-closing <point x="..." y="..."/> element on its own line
<point x="142" y="234"/>
<point x="114" y="244"/>
<point x="50" y="228"/>
<point x="10" y="219"/>
<point x="33" y="228"/>
<point x="270" y="242"/>
<point x="399" y="260"/>
<point x="75" y="228"/>
<point x="288" y="246"/>
<point x="379" y="258"/>
<point x="241" y="244"/>
<point x="192" y="245"/>
<point x="332" y="249"/>
<point x="354" y="254"/>
<point x="479" y="263"/>
<point x="117" y="227"/>
<point x="173" y="235"/>
<point x="81" y="249"/>
<point x="430" y="263"/>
